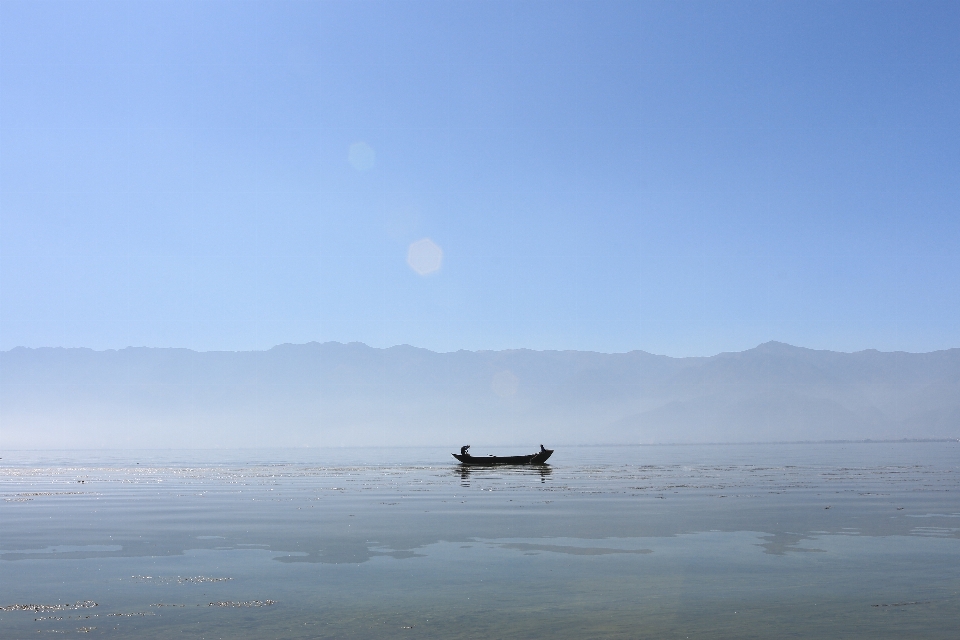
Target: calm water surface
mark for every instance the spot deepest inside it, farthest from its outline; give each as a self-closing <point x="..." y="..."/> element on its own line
<point x="806" y="541"/>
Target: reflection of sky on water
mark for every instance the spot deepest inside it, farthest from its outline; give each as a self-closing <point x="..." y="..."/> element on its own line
<point x="634" y="532"/>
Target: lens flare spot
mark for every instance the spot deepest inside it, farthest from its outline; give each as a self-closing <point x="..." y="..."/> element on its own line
<point x="424" y="256"/>
<point x="361" y="156"/>
<point x="505" y="384"/>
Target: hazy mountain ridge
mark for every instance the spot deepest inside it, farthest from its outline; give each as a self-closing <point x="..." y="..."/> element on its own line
<point x="351" y="394"/>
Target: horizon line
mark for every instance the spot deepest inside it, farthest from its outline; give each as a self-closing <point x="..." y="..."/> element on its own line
<point x="571" y="446"/>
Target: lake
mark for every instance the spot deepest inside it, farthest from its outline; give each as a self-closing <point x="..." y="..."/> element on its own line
<point x="715" y="541"/>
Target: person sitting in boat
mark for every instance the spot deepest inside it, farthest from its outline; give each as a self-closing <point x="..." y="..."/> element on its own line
<point x="463" y="450"/>
<point x="542" y="449"/>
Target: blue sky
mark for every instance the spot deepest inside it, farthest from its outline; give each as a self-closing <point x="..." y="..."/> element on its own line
<point x="685" y="178"/>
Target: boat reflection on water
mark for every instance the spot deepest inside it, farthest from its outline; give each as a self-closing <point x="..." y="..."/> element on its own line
<point x="466" y="472"/>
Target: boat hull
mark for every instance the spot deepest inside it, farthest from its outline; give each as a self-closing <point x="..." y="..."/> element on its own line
<point x="488" y="461"/>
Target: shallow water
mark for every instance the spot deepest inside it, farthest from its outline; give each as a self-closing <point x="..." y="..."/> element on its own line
<point x="827" y="540"/>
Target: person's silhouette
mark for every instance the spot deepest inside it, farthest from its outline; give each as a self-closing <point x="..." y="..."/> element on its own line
<point x="463" y="450"/>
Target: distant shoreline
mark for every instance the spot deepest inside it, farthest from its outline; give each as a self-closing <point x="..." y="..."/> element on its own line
<point x="566" y="446"/>
<point x="772" y="442"/>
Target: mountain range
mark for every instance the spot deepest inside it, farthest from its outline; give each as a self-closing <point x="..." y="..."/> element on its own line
<point x="335" y="394"/>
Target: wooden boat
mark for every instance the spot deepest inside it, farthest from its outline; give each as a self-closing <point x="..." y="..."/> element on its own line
<point x="535" y="458"/>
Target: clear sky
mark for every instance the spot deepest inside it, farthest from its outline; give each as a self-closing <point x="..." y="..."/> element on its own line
<point x="685" y="177"/>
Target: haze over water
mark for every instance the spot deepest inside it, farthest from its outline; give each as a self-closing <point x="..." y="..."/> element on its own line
<point x="815" y="540"/>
